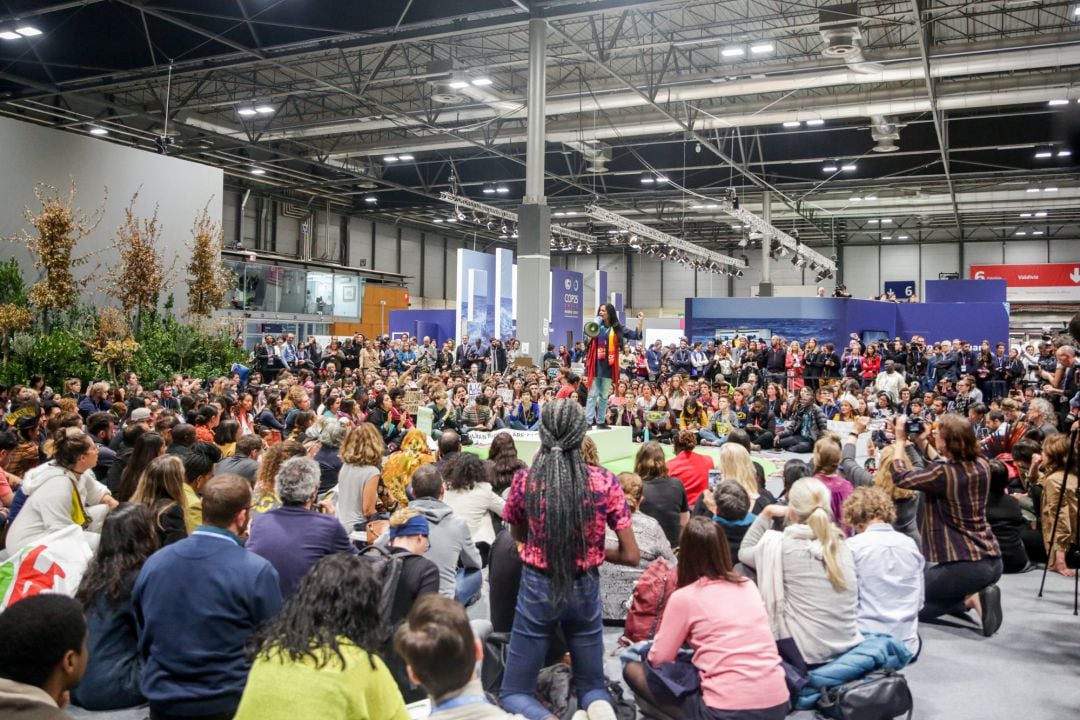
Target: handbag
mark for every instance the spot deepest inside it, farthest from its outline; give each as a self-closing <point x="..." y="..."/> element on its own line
<point x="878" y="696"/>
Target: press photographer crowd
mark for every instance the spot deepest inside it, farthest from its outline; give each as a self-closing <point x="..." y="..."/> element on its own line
<point x="340" y="529"/>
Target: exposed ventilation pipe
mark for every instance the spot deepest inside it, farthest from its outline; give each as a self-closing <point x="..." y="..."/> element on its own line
<point x="570" y="132"/>
<point x="907" y="70"/>
<point x="885" y="132"/>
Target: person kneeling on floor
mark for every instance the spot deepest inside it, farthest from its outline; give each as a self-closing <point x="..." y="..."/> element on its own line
<point x="956" y="535"/>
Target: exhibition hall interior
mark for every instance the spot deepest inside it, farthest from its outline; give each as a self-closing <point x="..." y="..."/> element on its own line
<point x="542" y="359"/>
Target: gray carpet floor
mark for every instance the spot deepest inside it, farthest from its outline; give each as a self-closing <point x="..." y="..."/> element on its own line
<point x="1029" y="670"/>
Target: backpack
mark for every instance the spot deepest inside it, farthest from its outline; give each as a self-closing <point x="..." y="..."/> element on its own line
<point x="555" y="691"/>
<point x="651" y="593"/>
<point x="386" y="567"/>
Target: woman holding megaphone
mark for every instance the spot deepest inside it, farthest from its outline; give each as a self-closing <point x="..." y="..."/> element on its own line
<point x="602" y="361"/>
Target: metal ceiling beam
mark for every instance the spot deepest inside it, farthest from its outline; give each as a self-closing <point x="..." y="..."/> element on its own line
<point x="489" y="21"/>
<point x="46" y="9"/>
<point x="705" y="142"/>
<point x="935" y="111"/>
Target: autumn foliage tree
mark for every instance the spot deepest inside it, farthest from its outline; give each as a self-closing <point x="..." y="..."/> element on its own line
<point x="139" y="277"/>
<point x="209" y="281"/>
<point x="14" y="316"/>
<point x="59" y="227"/>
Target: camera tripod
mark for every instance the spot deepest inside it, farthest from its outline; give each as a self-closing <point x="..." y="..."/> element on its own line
<point x="1072" y="553"/>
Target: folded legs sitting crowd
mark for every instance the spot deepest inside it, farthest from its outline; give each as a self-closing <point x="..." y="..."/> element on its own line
<point x="234" y="562"/>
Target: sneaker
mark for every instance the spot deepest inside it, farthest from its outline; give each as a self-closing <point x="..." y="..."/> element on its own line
<point x="990" y="599"/>
<point x="580" y="715"/>
<point x="601" y="710"/>
<point x="602" y="426"/>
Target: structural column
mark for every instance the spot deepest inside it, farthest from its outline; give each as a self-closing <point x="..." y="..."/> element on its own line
<point x="534" y="219"/>
<point x="765" y="288"/>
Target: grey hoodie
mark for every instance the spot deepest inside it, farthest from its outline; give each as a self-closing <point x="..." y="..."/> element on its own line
<point x="451" y="542"/>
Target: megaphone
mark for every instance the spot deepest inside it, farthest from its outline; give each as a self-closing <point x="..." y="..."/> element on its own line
<point x="592" y="329"/>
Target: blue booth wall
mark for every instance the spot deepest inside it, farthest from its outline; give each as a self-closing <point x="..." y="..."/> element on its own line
<point x="835" y="319"/>
<point x="973" y="321"/>
<point x="970" y="291"/>
<point x="438" y="324"/>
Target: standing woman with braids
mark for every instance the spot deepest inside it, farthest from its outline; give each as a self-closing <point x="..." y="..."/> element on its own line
<point x="559" y="509"/>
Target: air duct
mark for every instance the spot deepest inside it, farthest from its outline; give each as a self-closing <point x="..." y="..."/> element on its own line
<point x="839" y="28"/>
<point x="885" y="132"/>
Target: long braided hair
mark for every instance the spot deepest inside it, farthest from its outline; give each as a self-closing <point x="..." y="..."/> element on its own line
<point x="558" y="489"/>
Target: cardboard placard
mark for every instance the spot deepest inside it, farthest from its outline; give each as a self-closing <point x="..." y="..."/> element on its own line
<point x="413" y="398"/>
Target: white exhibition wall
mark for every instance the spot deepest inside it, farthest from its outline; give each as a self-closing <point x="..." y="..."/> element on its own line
<point x="180" y="189"/>
<point x="427" y="258"/>
<point x="868" y="267"/>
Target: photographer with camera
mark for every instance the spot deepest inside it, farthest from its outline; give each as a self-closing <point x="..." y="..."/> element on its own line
<point x="956" y="535"/>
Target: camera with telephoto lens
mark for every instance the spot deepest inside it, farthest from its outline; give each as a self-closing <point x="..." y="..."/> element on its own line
<point x="914" y="427"/>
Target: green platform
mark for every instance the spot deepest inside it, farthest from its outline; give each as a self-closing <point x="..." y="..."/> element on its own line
<point x="617" y="451"/>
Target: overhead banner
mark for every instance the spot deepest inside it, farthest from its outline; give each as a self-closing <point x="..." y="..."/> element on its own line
<point x="1050" y="282"/>
<point x="567" y="301"/>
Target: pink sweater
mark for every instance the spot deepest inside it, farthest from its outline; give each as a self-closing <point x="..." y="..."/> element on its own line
<point x="734" y="651"/>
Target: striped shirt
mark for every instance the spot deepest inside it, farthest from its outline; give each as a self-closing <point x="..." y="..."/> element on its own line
<point x="953" y="525"/>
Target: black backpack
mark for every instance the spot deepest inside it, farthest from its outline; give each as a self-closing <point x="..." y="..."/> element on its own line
<point x="386" y="567"/>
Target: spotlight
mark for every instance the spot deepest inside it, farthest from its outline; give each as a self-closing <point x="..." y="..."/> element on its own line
<point x="738" y="273"/>
<point x="460" y="214"/>
<point x="490" y="224"/>
<point x="588" y="249"/>
<point x="390" y="158"/>
<point x="371" y="199"/>
<point x="258" y="171"/>
<point x="99" y="131"/>
<point x="744" y="241"/>
<point x="502" y="189"/>
<point x="489" y="190"/>
<point x="476" y="218"/>
<point x="247" y="112"/>
<point x="264" y="109"/>
<point x="829" y="169"/>
<point x="405" y="158"/>
<point x="503" y="229"/>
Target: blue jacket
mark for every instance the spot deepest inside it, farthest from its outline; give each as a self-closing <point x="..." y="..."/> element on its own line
<point x="293" y="539"/>
<point x="876" y="652"/>
<point x="196" y="604"/>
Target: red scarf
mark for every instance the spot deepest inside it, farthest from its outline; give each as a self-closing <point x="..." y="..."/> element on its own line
<point x="612" y="356"/>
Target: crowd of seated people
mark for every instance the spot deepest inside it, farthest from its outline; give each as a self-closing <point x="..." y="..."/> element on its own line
<point x="238" y="532"/>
